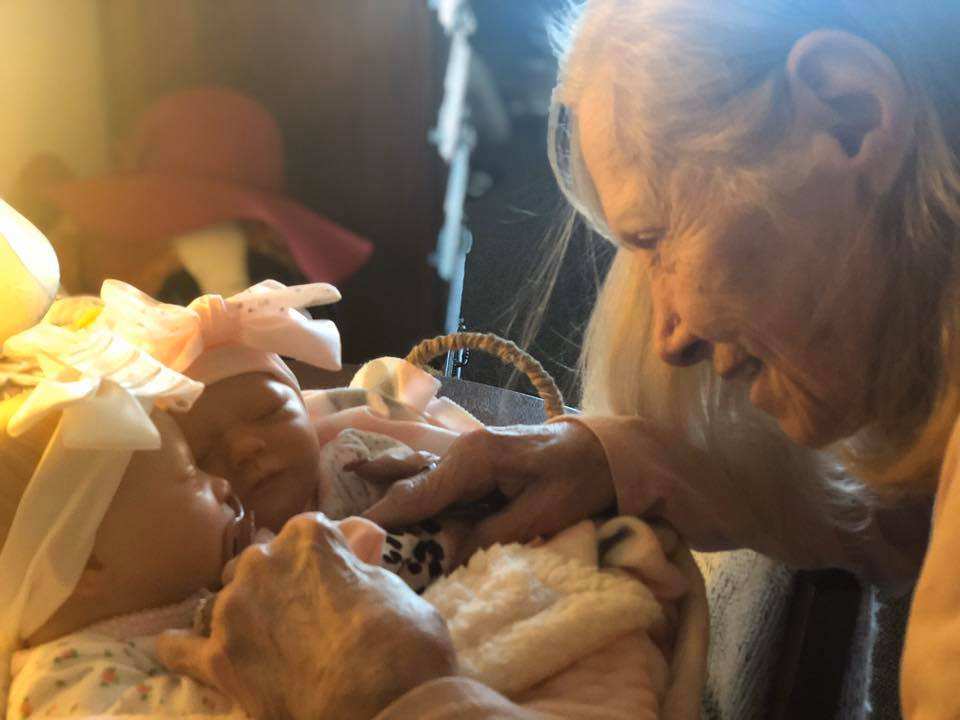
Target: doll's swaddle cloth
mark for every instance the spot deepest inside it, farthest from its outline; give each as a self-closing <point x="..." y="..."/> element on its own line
<point x="391" y="397"/>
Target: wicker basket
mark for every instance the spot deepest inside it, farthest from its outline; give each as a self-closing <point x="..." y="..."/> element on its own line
<point x="508" y="352"/>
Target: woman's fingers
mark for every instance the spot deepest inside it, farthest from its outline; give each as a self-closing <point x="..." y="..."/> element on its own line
<point x="229" y="570"/>
<point x="534" y="513"/>
<point x="312" y="539"/>
<point x="305" y="538"/>
<point x="508" y="525"/>
<point x="413" y="499"/>
<point x="505" y="459"/>
<point x="304" y="612"/>
<point x="465" y="474"/>
<point x="569" y="481"/>
<point x="196" y="656"/>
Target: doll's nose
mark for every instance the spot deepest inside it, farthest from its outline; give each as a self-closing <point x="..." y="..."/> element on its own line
<point x="244" y="447"/>
<point x="221" y="489"/>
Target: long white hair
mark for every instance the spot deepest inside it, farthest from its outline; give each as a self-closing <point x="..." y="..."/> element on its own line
<point x="704" y="81"/>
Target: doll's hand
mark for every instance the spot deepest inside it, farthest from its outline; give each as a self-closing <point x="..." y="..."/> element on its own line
<point x="392" y="465"/>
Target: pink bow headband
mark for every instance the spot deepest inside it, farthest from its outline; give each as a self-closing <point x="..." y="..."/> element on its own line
<point x="214" y="338"/>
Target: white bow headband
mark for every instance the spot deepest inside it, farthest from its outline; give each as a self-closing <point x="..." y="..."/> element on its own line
<point x="104" y="389"/>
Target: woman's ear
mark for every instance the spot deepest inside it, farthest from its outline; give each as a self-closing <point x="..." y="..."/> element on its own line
<point x="850" y="107"/>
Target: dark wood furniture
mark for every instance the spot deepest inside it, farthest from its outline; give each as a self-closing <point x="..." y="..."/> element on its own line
<point x="354" y="85"/>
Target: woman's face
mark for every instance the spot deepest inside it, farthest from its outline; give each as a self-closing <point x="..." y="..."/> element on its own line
<point x="790" y="307"/>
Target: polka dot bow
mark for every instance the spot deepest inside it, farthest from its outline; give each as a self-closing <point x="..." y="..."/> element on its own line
<point x="264" y="317"/>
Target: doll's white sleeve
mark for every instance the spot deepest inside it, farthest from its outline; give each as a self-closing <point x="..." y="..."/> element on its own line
<point x="86" y="674"/>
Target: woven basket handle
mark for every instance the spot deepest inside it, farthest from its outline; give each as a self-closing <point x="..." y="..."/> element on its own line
<point x="505" y="350"/>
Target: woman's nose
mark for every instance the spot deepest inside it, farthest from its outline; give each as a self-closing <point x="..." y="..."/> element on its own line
<point x="676" y="345"/>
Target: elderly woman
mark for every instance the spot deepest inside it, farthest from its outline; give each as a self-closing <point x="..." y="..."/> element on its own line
<point x="781" y="180"/>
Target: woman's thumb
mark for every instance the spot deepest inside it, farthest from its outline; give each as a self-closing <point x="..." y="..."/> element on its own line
<point x="190" y="654"/>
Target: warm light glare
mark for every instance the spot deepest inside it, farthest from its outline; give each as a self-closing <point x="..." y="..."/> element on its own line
<point x="29" y="273"/>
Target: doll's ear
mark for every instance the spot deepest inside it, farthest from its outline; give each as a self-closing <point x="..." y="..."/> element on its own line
<point x="93" y="580"/>
<point x="30" y="192"/>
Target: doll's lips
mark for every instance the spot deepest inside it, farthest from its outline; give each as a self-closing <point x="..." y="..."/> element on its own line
<point x="239" y="532"/>
<point x="263" y="477"/>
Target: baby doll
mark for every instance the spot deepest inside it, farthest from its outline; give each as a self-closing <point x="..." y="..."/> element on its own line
<point x="278" y="445"/>
<point x="110" y="533"/>
<point x="564" y="627"/>
<point x="285" y="452"/>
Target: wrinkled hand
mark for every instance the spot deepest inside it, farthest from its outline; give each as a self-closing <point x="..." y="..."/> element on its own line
<point x="551" y="477"/>
<point x="304" y="629"/>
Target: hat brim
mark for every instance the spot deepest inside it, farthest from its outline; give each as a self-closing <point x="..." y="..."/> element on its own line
<point x="152" y="208"/>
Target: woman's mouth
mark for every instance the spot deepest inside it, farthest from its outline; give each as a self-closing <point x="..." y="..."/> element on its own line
<point x="742" y="367"/>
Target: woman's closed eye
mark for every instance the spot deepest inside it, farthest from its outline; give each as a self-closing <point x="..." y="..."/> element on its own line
<point x="644" y="240"/>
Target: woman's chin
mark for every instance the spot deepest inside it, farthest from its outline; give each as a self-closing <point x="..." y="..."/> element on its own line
<point x="769" y="394"/>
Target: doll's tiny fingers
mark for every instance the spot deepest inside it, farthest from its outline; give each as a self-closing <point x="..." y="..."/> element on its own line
<point x="392" y="467"/>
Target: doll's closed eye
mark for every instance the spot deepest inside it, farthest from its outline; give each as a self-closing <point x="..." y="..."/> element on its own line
<point x="201" y="455"/>
<point x="274" y="411"/>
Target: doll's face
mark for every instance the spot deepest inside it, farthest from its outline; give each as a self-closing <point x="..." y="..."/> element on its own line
<point x="254" y="430"/>
<point x="170" y="528"/>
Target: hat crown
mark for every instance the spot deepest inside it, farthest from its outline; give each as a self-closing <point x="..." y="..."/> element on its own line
<point x="211" y="133"/>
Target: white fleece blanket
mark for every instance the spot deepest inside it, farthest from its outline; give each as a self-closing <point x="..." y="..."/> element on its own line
<point x="566" y="625"/>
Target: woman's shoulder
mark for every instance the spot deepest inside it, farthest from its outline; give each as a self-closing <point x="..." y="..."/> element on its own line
<point x="929" y="674"/>
<point x="947" y="484"/>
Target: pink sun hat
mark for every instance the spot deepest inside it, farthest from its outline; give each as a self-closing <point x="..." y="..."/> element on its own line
<point x="198" y="158"/>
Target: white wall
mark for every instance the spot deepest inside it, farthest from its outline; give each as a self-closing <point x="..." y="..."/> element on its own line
<point x="51" y="85"/>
